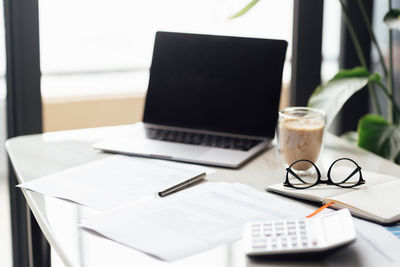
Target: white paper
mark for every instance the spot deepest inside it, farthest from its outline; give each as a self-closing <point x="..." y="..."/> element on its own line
<point x="114" y="181"/>
<point x="191" y="221"/>
<point x="375" y="246"/>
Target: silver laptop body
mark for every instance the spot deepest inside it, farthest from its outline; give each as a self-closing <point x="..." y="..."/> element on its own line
<point x="211" y="100"/>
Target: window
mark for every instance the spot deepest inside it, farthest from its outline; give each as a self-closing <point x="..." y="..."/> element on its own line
<point x="103" y="35"/>
<point x="102" y="47"/>
<point x="330" y="40"/>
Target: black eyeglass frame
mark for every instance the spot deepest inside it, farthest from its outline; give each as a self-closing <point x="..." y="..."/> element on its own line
<point x="319" y="180"/>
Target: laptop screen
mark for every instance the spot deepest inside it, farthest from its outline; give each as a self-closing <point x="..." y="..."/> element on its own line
<point x="217" y="83"/>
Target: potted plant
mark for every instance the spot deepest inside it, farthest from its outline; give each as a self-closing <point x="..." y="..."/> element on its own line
<point x="378" y="132"/>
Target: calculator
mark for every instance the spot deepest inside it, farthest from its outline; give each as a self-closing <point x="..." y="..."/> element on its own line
<point x="290" y="236"/>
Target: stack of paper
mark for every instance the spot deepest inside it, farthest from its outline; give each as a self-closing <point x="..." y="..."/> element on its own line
<point x="192" y="220"/>
<point x="212" y="214"/>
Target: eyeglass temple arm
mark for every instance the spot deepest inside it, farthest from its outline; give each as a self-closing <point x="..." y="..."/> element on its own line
<point x="295" y="175"/>
<point x="351" y="174"/>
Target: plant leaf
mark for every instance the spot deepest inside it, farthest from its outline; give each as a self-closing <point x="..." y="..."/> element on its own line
<point x="379" y="136"/>
<point x="359" y="72"/>
<point x="245" y="9"/>
<point x="376" y="78"/>
<point x="332" y="95"/>
<point x="392" y="19"/>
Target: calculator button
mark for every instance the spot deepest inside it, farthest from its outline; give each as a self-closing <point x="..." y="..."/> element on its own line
<point x="259" y="246"/>
<point x="279" y="232"/>
<point x="268" y="234"/>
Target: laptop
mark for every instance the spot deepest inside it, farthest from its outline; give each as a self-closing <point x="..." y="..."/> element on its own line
<point x="211" y="100"/>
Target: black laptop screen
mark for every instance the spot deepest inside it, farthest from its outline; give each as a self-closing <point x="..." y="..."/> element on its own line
<point x="218" y="83"/>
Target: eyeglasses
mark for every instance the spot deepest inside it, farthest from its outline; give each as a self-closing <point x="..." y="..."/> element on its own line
<point x="343" y="172"/>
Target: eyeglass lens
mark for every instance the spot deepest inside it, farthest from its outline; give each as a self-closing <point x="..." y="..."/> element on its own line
<point x="344" y="172"/>
<point x="302" y="174"/>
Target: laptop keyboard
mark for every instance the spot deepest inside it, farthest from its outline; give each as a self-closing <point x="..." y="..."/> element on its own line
<point x="242" y="144"/>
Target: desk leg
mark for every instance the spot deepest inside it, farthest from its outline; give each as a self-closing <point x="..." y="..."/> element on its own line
<point x="39" y="247"/>
<point x="29" y="246"/>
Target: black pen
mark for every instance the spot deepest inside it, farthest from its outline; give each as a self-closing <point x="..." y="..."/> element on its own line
<point x="182" y="185"/>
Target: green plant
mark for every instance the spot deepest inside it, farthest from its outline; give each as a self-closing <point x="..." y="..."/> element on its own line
<point x="379" y="132"/>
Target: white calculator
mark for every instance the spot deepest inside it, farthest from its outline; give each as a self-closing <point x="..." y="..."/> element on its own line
<point x="291" y="236"/>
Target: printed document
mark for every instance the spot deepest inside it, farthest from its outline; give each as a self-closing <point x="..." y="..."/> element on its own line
<point x="190" y="221"/>
<point x="114" y="181"/>
<point x="374" y="246"/>
<point x="213" y="214"/>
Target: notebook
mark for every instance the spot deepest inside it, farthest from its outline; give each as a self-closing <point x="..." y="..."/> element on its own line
<point x="211" y="100"/>
<point x="377" y="200"/>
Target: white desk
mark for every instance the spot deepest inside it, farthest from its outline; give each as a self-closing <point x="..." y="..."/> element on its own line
<point x="38" y="155"/>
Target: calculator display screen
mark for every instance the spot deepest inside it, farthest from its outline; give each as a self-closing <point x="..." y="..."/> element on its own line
<point x="333" y="226"/>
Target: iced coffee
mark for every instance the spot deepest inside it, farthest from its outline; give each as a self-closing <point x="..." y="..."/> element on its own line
<point x="301" y="135"/>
